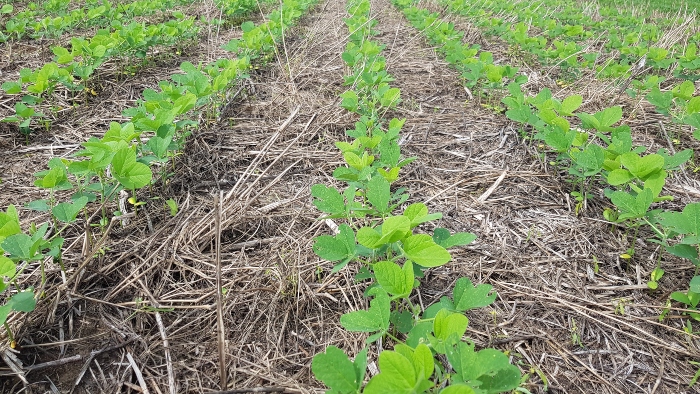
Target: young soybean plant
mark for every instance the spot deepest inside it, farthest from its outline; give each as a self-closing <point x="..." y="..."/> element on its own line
<point x="395" y="257"/>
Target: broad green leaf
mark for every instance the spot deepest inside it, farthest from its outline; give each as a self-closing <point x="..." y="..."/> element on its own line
<point x="423" y="361"/>
<point x="379" y="193"/>
<point x="641" y="167"/>
<point x="39" y="205"/>
<point x="396" y="375"/>
<point x="350" y="100"/>
<point x="571" y="104"/>
<point x="467" y="296"/>
<point x="695" y="284"/>
<point x="591" y="159"/>
<point x="418" y="213"/>
<point x="328" y="199"/>
<point x="4" y="311"/>
<point x="376" y="318"/>
<point x="672" y="162"/>
<point x="403" y="321"/>
<point x="457" y="389"/>
<point x="394" y="279"/>
<point x="23" y="301"/>
<point x="419" y="333"/>
<point x="442" y="237"/>
<point x="12" y="87"/>
<point x="7" y="267"/>
<point x="422" y="250"/>
<point x="685" y="251"/>
<point x="336" y="371"/>
<point x="368" y="237"/>
<point x="340" y="247"/>
<point x="488" y="370"/>
<point x="360" y="365"/>
<point x="394" y="228"/>
<point x="588" y="121"/>
<point x="609" y="116"/>
<point x="67" y="212"/>
<point x="9" y="222"/>
<point x="632" y="206"/>
<point x="447" y="324"/>
<point x="619" y="177"/>
<point x="20" y="247"/>
<point x="686" y="222"/>
<point x="130" y="173"/>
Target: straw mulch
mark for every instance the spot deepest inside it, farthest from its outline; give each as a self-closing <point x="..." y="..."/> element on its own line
<point x="144" y="315"/>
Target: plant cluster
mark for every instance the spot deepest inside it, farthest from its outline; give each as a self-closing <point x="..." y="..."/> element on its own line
<point x="74" y="68"/>
<point x="124" y="159"/>
<point x="393" y="255"/>
<point x="562" y="39"/>
<point x="53" y="18"/>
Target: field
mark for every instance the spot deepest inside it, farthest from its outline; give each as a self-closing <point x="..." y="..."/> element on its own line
<point x="380" y="196"/>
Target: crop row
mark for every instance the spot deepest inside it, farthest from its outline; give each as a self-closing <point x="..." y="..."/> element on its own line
<point x="37" y="24"/>
<point x="675" y="101"/>
<point x="389" y="250"/>
<point x="121" y="162"/>
<point x="73" y="68"/>
<point x="597" y="152"/>
<point x="569" y="37"/>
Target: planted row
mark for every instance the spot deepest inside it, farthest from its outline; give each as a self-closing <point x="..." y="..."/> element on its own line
<point x="597" y="152"/>
<point x="53" y="18"/>
<point x="390" y="251"/>
<point x="121" y="162"/>
<point x="73" y="68"/>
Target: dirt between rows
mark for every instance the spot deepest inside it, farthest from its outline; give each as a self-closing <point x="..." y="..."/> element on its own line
<point x="143" y="316"/>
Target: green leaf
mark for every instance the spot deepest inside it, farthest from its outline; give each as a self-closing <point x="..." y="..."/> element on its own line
<point x="4" y="312"/>
<point x="488" y="370"/>
<point x="422" y="250"/>
<point x="396" y="375"/>
<point x="20" y="247"/>
<point x="632" y="206"/>
<point x="368" y="237"/>
<point x="360" y="365"/>
<point x="6" y="9"/>
<point x="457" y="389"/>
<point x="394" y="228"/>
<point x="67" y="212"/>
<point x="328" y="199"/>
<point x="376" y="318"/>
<point x="23" y="301"/>
<point x="609" y="116"/>
<point x="619" y="177"/>
<point x="9" y="222"/>
<point x="672" y="162"/>
<point x="423" y="361"/>
<point x="641" y="167"/>
<point x="448" y="324"/>
<point x="442" y="237"/>
<point x="39" y="205"/>
<point x="571" y="104"/>
<point x="418" y="213"/>
<point x="130" y="173"/>
<point x="394" y="279"/>
<point x="695" y="284"/>
<point x="685" y="251"/>
<point x="466" y="296"/>
<point x="686" y="222"/>
<point x="7" y="267"/>
<point x="350" y="100"/>
<point x="379" y="193"/>
<point x="340" y="247"/>
<point x="336" y="371"/>
<point x="12" y="87"/>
